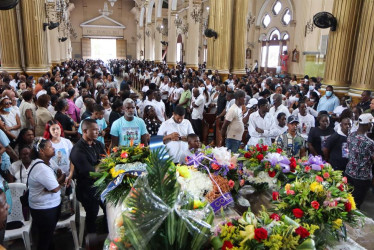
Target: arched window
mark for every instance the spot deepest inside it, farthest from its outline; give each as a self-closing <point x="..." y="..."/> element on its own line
<point x="277" y="8"/>
<point x="266" y="21"/>
<point x="286" y="17"/>
<point x="285" y="36"/>
<point x="275" y="35"/>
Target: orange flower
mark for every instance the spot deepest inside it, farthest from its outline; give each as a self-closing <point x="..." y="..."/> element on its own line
<point x="115" y="149"/>
<point x="131" y="142"/>
<point x="215" y="166"/>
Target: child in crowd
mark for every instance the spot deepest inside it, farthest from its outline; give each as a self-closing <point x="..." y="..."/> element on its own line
<point x="98" y="115"/>
<point x="193" y="144"/>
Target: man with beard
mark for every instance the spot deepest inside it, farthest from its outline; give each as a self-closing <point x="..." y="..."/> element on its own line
<point x="175" y="131"/>
<point x="129" y="129"/>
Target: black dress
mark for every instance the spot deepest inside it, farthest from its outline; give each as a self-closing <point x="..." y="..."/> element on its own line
<point x="152" y="126"/>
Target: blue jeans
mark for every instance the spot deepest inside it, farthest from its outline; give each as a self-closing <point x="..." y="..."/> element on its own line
<point x="232" y="144"/>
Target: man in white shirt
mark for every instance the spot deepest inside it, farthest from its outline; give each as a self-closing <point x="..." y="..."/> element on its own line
<point x="233" y="125"/>
<point x="261" y="124"/>
<point x="159" y="106"/>
<point x="278" y="107"/>
<point x="175" y="131"/>
<point x="155" y="78"/>
<point x="197" y="106"/>
<point x="79" y="101"/>
<point x="306" y="120"/>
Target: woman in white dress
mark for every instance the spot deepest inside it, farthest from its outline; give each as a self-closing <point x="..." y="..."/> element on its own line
<point x="10" y="116"/>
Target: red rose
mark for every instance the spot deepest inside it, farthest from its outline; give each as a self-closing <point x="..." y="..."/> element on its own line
<point x="260" y="157"/>
<point x="275" y="217"/>
<point x="275" y="196"/>
<point x="229" y="224"/>
<point x="297" y="212"/>
<point x="307" y="169"/>
<point x="279" y="150"/>
<point x="215" y="166"/>
<point x="315" y="204"/>
<point x="227" y="245"/>
<point x="290" y="192"/>
<point x="341" y="187"/>
<point x="319" y="178"/>
<point x="259" y="149"/>
<point x="272" y="173"/>
<point x="261" y="234"/>
<point x="302" y="232"/>
<point x="348" y="206"/>
<point x="326" y="175"/>
<point x="264" y="148"/>
<point x="247" y="155"/>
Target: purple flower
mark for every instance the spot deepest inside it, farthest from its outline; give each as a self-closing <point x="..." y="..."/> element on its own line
<point x="315" y="162"/>
<point x="276" y="158"/>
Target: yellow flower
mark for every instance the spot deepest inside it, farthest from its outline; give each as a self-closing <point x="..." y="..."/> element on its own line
<point x="316" y="187"/>
<point x="198" y="204"/>
<point x="274" y="242"/>
<point x="287" y="187"/>
<point x="352" y="201"/>
<point x="115" y="173"/>
<point x="338" y="223"/>
<point x="183" y="171"/>
<point x="247" y="234"/>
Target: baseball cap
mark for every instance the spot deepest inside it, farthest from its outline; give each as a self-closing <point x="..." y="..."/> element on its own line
<point x="292" y="119"/>
<point x="365" y="118"/>
<point x="252" y="102"/>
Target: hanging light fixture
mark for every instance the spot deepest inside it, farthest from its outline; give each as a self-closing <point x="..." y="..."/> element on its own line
<point x="112" y="2"/>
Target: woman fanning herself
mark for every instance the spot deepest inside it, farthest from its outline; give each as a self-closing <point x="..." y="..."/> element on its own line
<point x="54" y="133"/>
<point x="44" y="198"/>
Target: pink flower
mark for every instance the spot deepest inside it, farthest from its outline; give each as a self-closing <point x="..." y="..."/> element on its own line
<point x="344" y="179"/>
<point x="326" y="175"/>
<point x="232" y="166"/>
<point x="290" y="192"/>
<point x="333" y="203"/>
<point x="275" y="217"/>
<point x="319" y="178"/>
<point x="242" y="182"/>
<point x="231" y="183"/>
<point x="307" y="169"/>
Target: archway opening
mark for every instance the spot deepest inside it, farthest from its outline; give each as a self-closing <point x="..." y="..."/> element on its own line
<point x="103" y="49"/>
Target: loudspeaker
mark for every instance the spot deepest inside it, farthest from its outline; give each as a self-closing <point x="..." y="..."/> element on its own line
<point x="8" y="4"/>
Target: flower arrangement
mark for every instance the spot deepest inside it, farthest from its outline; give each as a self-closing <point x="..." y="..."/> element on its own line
<point x="223" y="170"/>
<point x="117" y="172"/>
<point x="157" y="215"/>
<point x="323" y="199"/>
<point x="267" y="231"/>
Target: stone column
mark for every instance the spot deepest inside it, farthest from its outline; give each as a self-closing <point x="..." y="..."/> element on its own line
<point x="240" y="34"/>
<point x="171" y="55"/>
<point x="342" y="44"/>
<point x="193" y="39"/>
<point x="223" y="16"/>
<point x="53" y="36"/>
<point x="9" y="41"/>
<point x="63" y="56"/>
<point x="211" y="41"/>
<point x="147" y="43"/>
<point x="152" y="40"/>
<point x="142" y="48"/>
<point x="35" y="40"/>
<point x="158" y="38"/>
<point x="363" y="75"/>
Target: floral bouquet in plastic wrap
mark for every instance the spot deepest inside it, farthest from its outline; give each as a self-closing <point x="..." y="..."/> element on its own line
<point x="156" y="214"/>
<point x="224" y="171"/>
<point x="118" y="171"/>
<point x="323" y="200"/>
<point x="267" y="231"/>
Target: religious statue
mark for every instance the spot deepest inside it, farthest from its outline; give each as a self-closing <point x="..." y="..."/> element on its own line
<point x="284" y="59"/>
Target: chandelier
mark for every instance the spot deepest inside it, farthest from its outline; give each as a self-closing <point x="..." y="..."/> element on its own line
<point x="112" y="2"/>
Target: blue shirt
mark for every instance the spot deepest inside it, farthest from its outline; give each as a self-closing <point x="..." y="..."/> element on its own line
<point x="4" y="186"/>
<point x="328" y="104"/>
<point x="5" y="164"/>
<point x="102" y="125"/>
<point x="127" y="130"/>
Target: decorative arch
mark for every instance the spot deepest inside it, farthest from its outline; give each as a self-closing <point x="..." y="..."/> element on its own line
<point x="283" y="34"/>
<point x="262" y="37"/>
<point x="271" y="30"/>
<point x="141" y="18"/>
<point x="264" y="7"/>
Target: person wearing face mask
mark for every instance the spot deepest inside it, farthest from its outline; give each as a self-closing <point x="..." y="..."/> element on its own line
<point x="360" y="159"/>
<point x="318" y="135"/>
<point x="329" y="101"/>
<point x="10" y="115"/>
<point x="312" y="89"/>
<point x="175" y="131"/>
<point x="129" y="129"/>
<point x="336" y="148"/>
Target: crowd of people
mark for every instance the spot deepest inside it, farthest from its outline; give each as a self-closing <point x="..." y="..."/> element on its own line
<point x="55" y="129"/>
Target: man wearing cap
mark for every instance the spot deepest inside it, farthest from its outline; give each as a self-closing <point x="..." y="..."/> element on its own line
<point x="291" y="141"/>
<point x="261" y="124"/>
<point x="251" y="108"/>
<point x="360" y="158"/>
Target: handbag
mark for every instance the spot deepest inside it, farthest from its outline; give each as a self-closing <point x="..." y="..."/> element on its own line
<point x="25" y="197"/>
